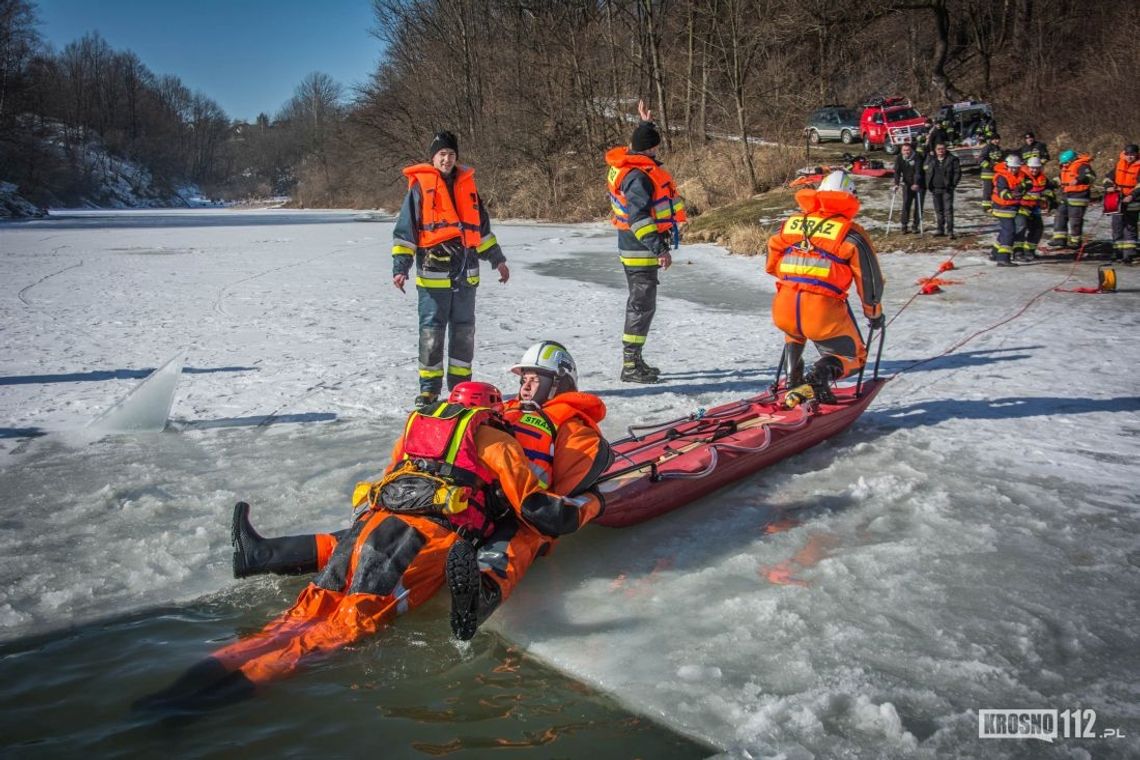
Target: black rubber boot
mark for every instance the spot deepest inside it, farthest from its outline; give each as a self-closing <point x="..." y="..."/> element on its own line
<point x="794" y="354"/>
<point x="474" y="595"/>
<point x="821" y="375"/>
<point x="633" y="367"/>
<point x="254" y="555"/>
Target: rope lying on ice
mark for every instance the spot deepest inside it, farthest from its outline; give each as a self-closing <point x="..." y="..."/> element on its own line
<point x="990" y="328"/>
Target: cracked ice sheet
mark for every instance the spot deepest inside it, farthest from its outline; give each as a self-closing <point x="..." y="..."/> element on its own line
<point x="969" y="543"/>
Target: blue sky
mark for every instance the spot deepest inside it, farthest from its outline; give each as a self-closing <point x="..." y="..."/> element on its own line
<point x="247" y="55"/>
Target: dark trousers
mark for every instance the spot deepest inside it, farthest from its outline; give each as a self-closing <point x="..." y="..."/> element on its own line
<point x="642" y="304"/>
<point x="1069" y="221"/>
<point x="1028" y="231"/>
<point x="1124" y="234"/>
<point x="1006" y="237"/>
<point x="944" y="209"/>
<point x="909" y="206"/>
<point x="987" y="193"/>
<point x="451" y="312"/>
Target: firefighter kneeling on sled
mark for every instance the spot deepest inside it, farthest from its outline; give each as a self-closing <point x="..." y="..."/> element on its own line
<point x="456" y="478"/>
<point x="814" y="258"/>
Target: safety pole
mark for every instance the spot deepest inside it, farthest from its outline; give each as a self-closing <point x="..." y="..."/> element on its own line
<point x="779" y="370"/>
<point x="891" y="211"/>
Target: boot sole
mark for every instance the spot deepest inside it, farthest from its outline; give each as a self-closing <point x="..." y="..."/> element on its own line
<point x="463" y="583"/>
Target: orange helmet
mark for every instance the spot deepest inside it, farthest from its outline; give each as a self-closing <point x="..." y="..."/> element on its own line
<point x="472" y="393"/>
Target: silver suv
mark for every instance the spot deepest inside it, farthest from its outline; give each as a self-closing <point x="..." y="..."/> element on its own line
<point x="833" y="123"/>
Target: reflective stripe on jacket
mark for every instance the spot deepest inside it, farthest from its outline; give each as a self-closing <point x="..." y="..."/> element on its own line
<point x="1126" y="175"/>
<point x="562" y="439"/>
<point x="445" y="230"/>
<point x="823" y="251"/>
<point x="644" y="206"/>
<point x="1076" y="176"/>
<point x="1034" y="190"/>
<point x="1007" y="183"/>
<point x="440" y="440"/>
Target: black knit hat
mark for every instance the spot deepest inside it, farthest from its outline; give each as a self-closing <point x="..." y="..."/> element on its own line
<point x="645" y="137"/>
<point x="1132" y="149"/>
<point x="443" y="140"/>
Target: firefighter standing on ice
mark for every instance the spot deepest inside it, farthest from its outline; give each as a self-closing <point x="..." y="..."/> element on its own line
<point x="647" y="214"/>
<point x="1076" y="179"/>
<point x="443" y="227"/>
<point x="814" y="258"/>
<point x="1125" y="181"/>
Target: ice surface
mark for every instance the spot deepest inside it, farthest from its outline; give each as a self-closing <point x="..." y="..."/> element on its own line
<point x="969" y="543"/>
<point x="147" y="407"/>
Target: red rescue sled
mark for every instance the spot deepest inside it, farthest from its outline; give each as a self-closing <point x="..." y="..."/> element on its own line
<point x="680" y="461"/>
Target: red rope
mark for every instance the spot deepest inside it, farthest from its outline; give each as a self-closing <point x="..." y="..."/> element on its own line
<point x="995" y="325"/>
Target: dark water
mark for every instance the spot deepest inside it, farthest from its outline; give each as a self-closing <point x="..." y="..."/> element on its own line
<point x="410" y="692"/>
<point x="683" y="280"/>
<point x="62" y="220"/>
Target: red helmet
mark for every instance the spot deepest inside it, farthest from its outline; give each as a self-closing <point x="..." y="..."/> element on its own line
<point x="472" y="393"/>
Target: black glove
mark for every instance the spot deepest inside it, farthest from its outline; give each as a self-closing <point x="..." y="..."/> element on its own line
<point x="661" y="247"/>
<point x="877" y="322"/>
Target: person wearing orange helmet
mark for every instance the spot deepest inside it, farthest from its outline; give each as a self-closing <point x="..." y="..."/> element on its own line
<point x="815" y="257"/>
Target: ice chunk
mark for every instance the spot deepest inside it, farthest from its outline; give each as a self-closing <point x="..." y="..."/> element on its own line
<point x="147" y="407"/>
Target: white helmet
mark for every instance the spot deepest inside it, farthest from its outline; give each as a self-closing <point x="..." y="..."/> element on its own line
<point x="1034" y="162"/>
<point x="1013" y="161"/>
<point x="838" y="180"/>
<point x="554" y="365"/>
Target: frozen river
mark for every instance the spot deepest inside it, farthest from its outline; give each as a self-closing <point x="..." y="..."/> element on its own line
<point x="970" y="543"/>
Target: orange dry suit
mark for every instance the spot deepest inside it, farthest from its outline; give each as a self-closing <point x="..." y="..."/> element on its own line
<point x="391" y="561"/>
<point x="814" y="258"/>
<point x="567" y="453"/>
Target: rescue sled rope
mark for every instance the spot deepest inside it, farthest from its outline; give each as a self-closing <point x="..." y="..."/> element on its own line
<point x="990" y="328"/>
<point x="691" y="440"/>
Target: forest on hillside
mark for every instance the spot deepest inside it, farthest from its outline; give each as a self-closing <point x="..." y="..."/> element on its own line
<point x="537" y="91"/>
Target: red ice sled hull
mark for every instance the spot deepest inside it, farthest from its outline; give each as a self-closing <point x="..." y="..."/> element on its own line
<point x="673" y="466"/>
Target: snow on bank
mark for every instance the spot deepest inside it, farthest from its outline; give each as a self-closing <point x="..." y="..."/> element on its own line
<point x="15" y="206"/>
<point x="969" y="543"/>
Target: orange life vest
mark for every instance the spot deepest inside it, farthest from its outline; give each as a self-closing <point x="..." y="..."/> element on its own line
<point x="668" y="209"/>
<point x="1035" y="187"/>
<point x="812" y="244"/>
<point x="1071" y="181"/>
<point x="536" y="430"/>
<point x="1012" y="180"/>
<point x="1126" y="175"/>
<point x="440" y="441"/>
<point x="440" y="218"/>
